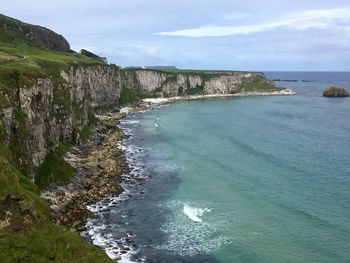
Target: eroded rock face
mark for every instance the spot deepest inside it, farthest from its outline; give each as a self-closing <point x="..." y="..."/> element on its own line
<point x="336" y="92"/>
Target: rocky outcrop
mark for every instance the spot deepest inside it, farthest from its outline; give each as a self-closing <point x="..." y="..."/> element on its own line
<point x="48" y="38"/>
<point x="335" y="92"/>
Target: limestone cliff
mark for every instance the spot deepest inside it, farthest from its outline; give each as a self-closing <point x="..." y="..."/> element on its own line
<point x="163" y="84"/>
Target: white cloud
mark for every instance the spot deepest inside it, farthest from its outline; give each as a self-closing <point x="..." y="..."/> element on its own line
<point x="303" y="20"/>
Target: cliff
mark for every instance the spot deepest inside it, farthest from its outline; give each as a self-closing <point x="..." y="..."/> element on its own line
<point x="40" y="116"/>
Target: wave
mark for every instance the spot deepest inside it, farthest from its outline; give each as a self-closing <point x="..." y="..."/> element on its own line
<point x="190" y="238"/>
<point x="194" y="213"/>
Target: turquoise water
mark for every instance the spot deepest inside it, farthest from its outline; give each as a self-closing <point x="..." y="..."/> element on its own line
<point x="273" y="174"/>
<point x="256" y="179"/>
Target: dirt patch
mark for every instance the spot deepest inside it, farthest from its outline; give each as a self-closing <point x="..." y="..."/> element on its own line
<point x="14" y="217"/>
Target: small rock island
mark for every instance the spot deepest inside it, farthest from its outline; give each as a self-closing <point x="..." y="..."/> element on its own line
<point x="335" y="92"/>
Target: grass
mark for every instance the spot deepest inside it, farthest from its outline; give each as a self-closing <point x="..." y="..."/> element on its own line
<point x="85" y="134"/>
<point x="48" y="243"/>
<point x="258" y="86"/>
<point x="55" y="168"/>
<point x="195" y="91"/>
<point x="128" y="96"/>
<point x="198" y="71"/>
<point x="259" y="83"/>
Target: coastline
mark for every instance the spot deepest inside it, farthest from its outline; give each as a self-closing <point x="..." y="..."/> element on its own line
<point x="161" y="101"/>
<point x="101" y="164"/>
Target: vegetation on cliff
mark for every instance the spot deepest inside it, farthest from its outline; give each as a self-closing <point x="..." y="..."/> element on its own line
<point x="335" y="92"/>
<point x="27" y="231"/>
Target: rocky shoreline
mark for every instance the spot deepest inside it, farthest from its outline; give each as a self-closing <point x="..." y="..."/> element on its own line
<point x="99" y="164"/>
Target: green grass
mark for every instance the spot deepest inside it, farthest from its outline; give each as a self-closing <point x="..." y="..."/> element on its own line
<point x="85" y="134"/>
<point x="48" y="243"/>
<point x="198" y="71"/>
<point x="195" y="91"/>
<point x="258" y="86"/>
<point x="128" y="96"/>
<point x="55" y="168"/>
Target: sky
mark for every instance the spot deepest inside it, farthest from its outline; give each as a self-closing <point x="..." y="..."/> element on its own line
<point x="269" y="35"/>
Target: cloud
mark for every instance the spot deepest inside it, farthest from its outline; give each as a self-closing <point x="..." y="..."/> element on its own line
<point x="303" y="20"/>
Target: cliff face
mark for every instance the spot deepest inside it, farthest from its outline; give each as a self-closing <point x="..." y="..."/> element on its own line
<point x="164" y="84"/>
<point x="47" y="113"/>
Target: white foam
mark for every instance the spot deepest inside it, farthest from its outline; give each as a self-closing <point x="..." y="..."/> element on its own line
<point x="195" y="236"/>
<point x="130" y="121"/>
<point x="119" y="248"/>
<point x="125" y="110"/>
<point x="194" y="213"/>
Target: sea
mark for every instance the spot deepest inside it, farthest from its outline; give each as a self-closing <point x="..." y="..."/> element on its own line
<point x="248" y="179"/>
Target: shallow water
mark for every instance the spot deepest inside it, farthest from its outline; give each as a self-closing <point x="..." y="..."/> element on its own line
<point x="257" y="179"/>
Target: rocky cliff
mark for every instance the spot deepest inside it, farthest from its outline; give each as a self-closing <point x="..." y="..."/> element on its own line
<point x="47" y="112"/>
<point x="166" y="84"/>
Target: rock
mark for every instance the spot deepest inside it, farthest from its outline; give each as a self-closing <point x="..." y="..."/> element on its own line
<point x="51" y="256"/>
<point x="335" y="92"/>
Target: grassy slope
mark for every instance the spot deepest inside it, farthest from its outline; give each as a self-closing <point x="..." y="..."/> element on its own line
<point x="42" y="240"/>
